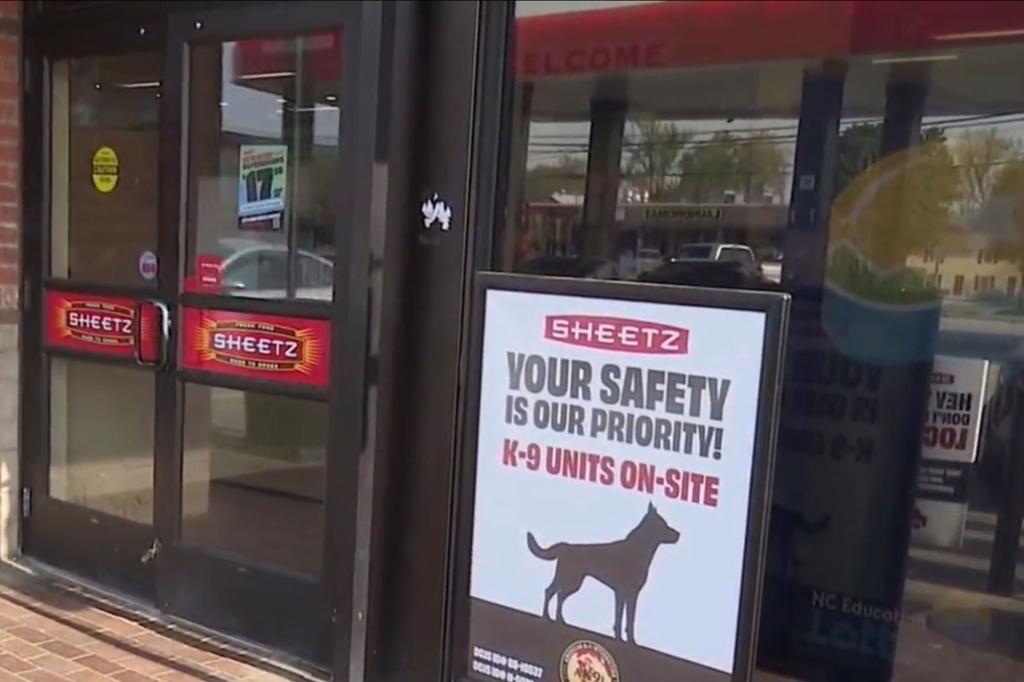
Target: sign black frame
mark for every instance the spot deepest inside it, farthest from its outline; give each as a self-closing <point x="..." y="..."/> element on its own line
<point x="775" y="307"/>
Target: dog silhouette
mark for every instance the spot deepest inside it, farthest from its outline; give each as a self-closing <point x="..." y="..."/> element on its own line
<point x="622" y="566"/>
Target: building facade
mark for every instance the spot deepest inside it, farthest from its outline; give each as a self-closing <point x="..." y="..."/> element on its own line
<point x="238" y="242"/>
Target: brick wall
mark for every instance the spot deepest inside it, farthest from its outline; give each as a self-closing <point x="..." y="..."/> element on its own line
<point x="10" y="212"/>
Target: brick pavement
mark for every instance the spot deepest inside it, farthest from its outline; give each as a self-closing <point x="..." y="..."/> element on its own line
<point x="55" y="631"/>
<point x="51" y="631"/>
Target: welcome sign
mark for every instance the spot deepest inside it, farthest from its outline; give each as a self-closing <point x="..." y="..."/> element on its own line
<point x="621" y="464"/>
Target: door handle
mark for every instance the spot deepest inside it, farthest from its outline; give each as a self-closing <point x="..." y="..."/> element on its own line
<point x="152" y="333"/>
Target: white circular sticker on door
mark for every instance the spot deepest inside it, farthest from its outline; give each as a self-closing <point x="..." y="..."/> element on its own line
<point x="147" y="265"/>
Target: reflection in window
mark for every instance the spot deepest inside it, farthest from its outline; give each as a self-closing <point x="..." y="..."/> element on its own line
<point x="876" y="174"/>
<point x="608" y="188"/>
<point x="680" y="185"/>
<point x="262" y="167"/>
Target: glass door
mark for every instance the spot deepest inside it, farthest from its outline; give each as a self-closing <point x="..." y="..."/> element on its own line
<point x="264" y="95"/>
<point x="90" y="497"/>
<point x="189" y="199"/>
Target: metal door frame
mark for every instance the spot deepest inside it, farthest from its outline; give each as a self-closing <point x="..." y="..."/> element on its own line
<point x="446" y="83"/>
<point x="67" y="526"/>
<point x="169" y="28"/>
<point x="197" y="583"/>
<point x="429" y="96"/>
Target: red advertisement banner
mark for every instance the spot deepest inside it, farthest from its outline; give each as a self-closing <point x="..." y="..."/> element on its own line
<point x="84" y="322"/>
<point x="288" y="350"/>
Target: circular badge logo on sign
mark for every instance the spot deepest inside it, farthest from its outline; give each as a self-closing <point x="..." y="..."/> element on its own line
<point x="586" y="661"/>
<point x="105" y="168"/>
<point x="147" y="265"/>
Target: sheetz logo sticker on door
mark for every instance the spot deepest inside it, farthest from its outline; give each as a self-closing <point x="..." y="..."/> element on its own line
<point x="101" y="323"/>
<point x="90" y="323"/>
<point x="267" y="347"/>
<point x="257" y="345"/>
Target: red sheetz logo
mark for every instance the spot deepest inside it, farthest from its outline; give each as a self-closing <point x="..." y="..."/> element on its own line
<point x="258" y="345"/>
<point x="617" y="333"/>
<point x="104" y="324"/>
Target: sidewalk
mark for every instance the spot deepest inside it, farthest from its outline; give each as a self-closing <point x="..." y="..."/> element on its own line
<point x="52" y="631"/>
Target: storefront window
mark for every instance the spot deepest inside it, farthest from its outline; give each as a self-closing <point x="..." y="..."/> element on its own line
<point x="263" y="167"/>
<point x="867" y="158"/>
<point x="253" y="477"/>
<point x="104" y="168"/>
<point x="101" y="438"/>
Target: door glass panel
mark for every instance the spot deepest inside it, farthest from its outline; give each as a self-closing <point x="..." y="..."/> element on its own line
<point x="263" y="167"/>
<point x="253" y="478"/>
<point x="104" y="168"/>
<point x="101" y="437"/>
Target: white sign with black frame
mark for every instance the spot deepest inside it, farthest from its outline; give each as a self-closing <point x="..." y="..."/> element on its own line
<point x="619" y="466"/>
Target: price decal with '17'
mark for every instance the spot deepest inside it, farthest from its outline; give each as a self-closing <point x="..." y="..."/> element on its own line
<point x="262" y="186"/>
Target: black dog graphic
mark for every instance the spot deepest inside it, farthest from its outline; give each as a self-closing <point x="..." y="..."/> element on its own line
<point x="623" y="566"/>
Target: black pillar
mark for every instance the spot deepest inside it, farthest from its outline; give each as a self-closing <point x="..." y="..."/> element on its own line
<point x="844" y="477"/>
<point x="607" y="124"/>
<point x="517" y="197"/>
<point x="904" y="108"/>
<point x="814" y="174"/>
<point x="1002" y="576"/>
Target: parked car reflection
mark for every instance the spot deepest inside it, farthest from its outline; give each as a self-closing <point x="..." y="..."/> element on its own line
<point x="711" y="265"/>
<point x="707" y="273"/>
<point x="569" y="266"/>
<point x="262" y="272"/>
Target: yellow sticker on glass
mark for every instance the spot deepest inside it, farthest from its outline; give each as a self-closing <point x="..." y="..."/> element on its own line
<point x="104" y="170"/>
